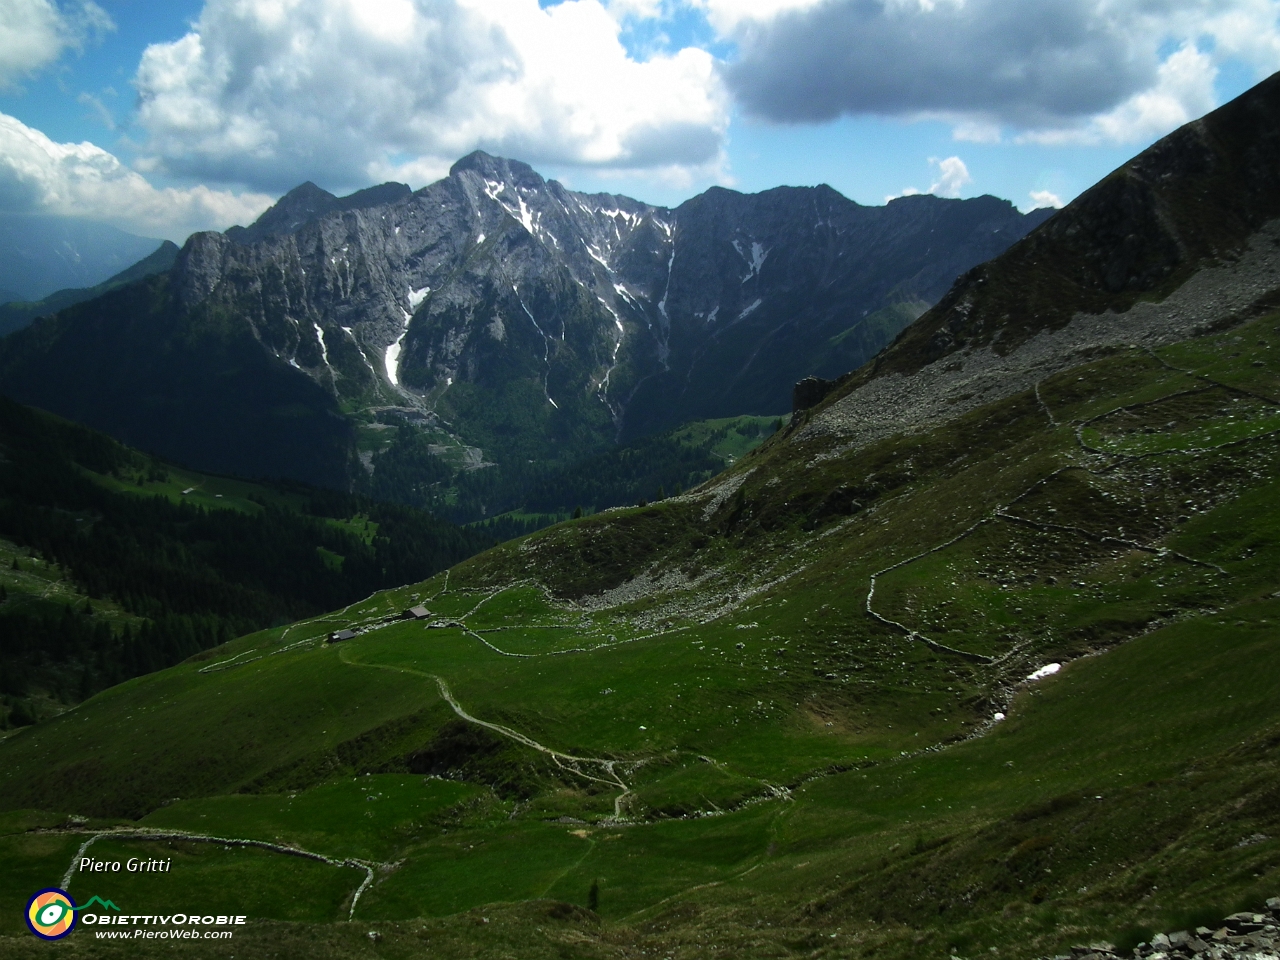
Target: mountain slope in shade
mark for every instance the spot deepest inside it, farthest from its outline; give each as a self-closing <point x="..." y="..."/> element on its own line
<point x="1193" y="198"/>
<point x="194" y="387"/>
<point x="509" y="314"/>
<point x="115" y="563"/>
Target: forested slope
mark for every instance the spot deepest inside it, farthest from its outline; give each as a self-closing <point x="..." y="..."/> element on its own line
<point x="103" y="527"/>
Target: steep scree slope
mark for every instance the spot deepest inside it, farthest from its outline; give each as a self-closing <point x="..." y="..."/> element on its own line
<point x="1182" y="238"/>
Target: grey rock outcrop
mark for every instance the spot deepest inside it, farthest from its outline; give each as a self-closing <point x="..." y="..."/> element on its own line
<point x="1241" y="936"/>
<point x="809" y="392"/>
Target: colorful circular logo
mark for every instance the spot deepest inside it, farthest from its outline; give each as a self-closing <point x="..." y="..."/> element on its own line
<point x="51" y="914"/>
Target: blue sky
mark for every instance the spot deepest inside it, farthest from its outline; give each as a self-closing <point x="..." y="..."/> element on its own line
<point x="169" y="117"/>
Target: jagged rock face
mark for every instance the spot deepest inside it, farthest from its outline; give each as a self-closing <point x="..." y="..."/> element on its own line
<point x="769" y="288"/>
<point x="525" y="314"/>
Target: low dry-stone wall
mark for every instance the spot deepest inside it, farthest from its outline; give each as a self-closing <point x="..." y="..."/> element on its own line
<point x="1242" y="936"/>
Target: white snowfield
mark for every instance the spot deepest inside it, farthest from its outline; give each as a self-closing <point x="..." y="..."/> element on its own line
<point x="1048" y="670"/>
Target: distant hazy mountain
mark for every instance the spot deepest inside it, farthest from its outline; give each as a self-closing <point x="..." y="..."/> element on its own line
<point x="17" y="314"/>
<point x="500" y="311"/>
<point x="42" y="254"/>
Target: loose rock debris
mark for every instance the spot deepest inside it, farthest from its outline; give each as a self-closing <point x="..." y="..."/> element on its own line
<point x="1242" y="936"/>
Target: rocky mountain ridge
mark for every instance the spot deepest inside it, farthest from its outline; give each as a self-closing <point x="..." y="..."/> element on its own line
<point x="512" y="319"/>
<point x="530" y="321"/>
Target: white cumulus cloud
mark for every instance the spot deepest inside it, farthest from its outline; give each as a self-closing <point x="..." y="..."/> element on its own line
<point x="270" y="92"/>
<point x="952" y="176"/>
<point x="34" y="33"/>
<point x="1183" y="91"/>
<point x="1045" y="198"/>
<point x="38" y="175"/>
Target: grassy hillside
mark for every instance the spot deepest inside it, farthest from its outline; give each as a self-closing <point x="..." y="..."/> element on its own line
<point x="786" y="713"/>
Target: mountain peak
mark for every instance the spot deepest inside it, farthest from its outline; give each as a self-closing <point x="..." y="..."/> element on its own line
<point x="498" y="168"/>
<point x="307" y="202"/>
<point x="306" y="192"/>
<point x="381" y="195"/>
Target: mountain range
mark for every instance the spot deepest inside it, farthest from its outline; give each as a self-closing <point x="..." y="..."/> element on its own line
<point x="510" y="318"/>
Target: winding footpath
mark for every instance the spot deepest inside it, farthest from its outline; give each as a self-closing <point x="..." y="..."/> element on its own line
<point x="606" y="767"/>
<point x="1001" y="512"/>
<point x="565" y="761"/>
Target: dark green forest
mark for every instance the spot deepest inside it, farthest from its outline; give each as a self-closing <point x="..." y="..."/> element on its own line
<point x="183" y="577"/>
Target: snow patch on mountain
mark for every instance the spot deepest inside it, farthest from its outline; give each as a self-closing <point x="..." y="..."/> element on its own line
<point x="595" y="255"/>
<point x="391" y="360"/>
<point x="324" y="350"/>
<point x="417" y="296"/>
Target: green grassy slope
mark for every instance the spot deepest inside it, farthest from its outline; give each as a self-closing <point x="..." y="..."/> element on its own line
<point x="701" y="708"/>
